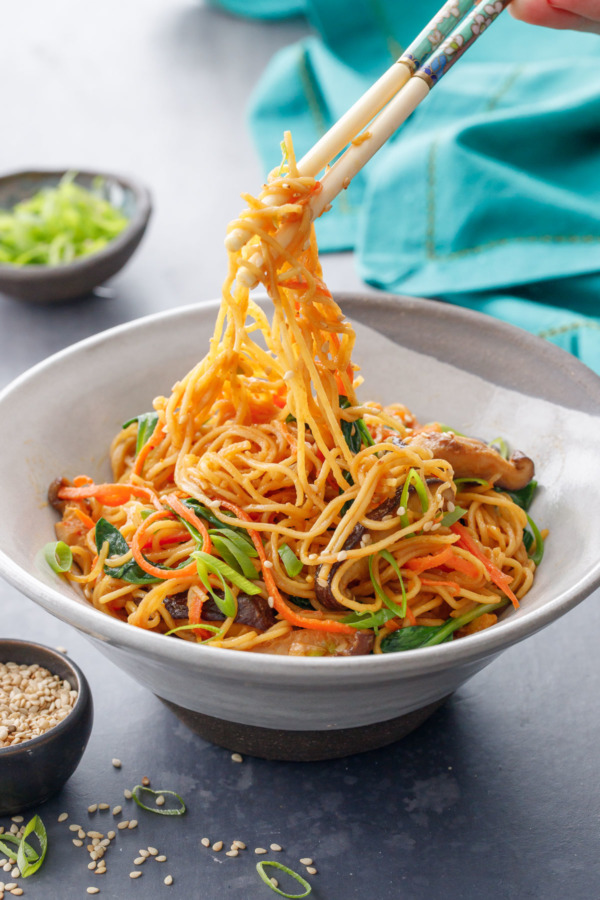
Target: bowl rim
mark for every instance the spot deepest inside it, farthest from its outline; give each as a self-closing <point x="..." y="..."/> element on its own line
<point x="262" y="667"/>
<point x="141" y="214"/>
<point x="81" y="686"/>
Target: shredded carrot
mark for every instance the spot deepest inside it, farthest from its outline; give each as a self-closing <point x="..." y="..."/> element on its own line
<point x="432" y="561"/>
<point x="462" y="565"/>
<point x="153" y="441"/>
<point x="410" y="616"/>
<point x="83" y="517"/>
<point x="496" y="575"/>
<point x="454" y="585"/>
<point x="143" y="563"/>
<point x="109" y="494"/>
<point x="191" y="518"/>
<point x="80" y="480"/>
<point x="195" y="605"/>
<point x="315" y="623"/>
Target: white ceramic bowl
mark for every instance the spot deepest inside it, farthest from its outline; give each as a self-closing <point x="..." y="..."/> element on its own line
<point x="483" y="377"/>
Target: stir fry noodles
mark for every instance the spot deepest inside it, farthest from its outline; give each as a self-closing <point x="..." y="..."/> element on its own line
<point x="262" y="506"/>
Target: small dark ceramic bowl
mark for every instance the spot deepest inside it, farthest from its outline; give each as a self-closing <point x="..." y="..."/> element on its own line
<point x="33" y="771"/>
<point x="44" y="284"/>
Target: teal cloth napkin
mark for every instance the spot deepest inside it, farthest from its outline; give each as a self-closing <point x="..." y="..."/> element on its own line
<point x="489" y="196"/>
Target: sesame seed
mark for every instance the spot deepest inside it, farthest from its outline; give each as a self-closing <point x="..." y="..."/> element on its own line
<point x="144" y="854"/>
<point x="161" y="858"/>
<point x="127" y="794"/>
<point x="259" y="850"/>
<point x="93" y="890"/>
<point x="276" y="848"/>
<point x="205" y="842"/>
<point x="268" y="564"/>
<point x="436" y="526"/>
<point x="342" y="555"/>
<point x="15" y="873"/>
<point x="312" y="556"/>
<point x="96" y="835"/>
<point x="103" y="806"/>
<point x="132" y="824"/>
<point x="137" y="874"/>
<point x="271" y="601"/>
<point x="237" y="757"/>
<point x="92" y="865"/>
<point x="74" y="827"/>
<point x="16" y="819"/>
<point x="168" y="879"/>
<point x="17" y="892"/>
<point x="62" y="649"/>
<point x="152" y="851"/>
<point x="117" y="810"/>
<point x="274" y="882"/>
<point x="401" y="511"/>
<point x="306" y="861"/>
<point x="427" y="526"/>
<point x="116" y="763"/>
<point x="311" y="870"/>
<point x="63" y="817"/>
<point x="10" y="887"/>
<point x="77" y="842"/>
<point x="233" y="852"/>
<point x="93" y="808"/>
<point x="160" y="800"/>
<point x="139" y="860"/>
<point x="111" y="835"/>
<point x="287" y="376"/>
<point x="81" y="834"/>
<point x="123" y="824"/>
<point x="218" y="845"/>
<point x="145" y="781"/>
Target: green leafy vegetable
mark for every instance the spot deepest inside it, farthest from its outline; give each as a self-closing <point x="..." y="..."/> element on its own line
<point x="373" y="620"/>
<point x="385" y="554"/>
<point x="26" y="865"/>
<point x="387" y="601"/>
<point x="482" y="481"/>
<point x="524" y="497"/>
<point x="429" y="635"/>
<point x="160" y="810"/>
<point x="146" y="423"/>
<point x="302" y="602"/>
<point x="500" y="445"/>
<point x="452" y="517"/>
<point x="355" y="433"/>
<point x="206" y="563"/>
<point x="538" y="553"/>
<point x="421" y="490"/>
<point x="118" y="546"/>
<point x="58" y="225"/>
<point x="292" y="564"/>
<point x="59" y="557"/>
<point x="260" y="868"/>
<point x="204" y="513"/>
<point x="448" y="428"/>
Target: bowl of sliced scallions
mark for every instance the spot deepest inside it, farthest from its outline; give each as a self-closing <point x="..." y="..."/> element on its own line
<point x="64" y="233"/>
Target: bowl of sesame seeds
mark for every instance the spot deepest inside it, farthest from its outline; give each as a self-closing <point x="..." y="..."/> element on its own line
<point x="46" y="716"/>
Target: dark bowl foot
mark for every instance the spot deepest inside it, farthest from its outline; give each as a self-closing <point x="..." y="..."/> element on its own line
<point x="302" y="746"/>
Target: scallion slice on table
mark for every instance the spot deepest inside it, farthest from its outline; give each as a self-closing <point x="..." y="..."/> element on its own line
<point x="59" y="557"/>
<point x="139" y="791"/>
<point x="25" y="864"/>
<point x="260" y="868"/>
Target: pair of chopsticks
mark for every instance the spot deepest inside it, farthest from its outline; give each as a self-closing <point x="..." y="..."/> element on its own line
<point x="394" y="97"/>
<point x="367" y="125"/>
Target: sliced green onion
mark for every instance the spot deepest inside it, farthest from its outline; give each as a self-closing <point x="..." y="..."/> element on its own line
<point x="387" y="601"/>
<point x="277" y="865"/>
<point x="12" y="852"/>
<point x="28" y="866"/>
<point x="421" y="490"/>
<point x="538" y="553"/>
<point x="292" y="564"/>
<point x="482" y="481"/>
<point x="240" y="540"/>
<point x="373" y="620"/>
<point x="146" y="423"/>
<point x="221" y="568"/>
<point x="59" y="557"/>
<point x="365" y="433"/>
<point x="415" y="636"/>
<point x="385" y="554"/>
<point x="159" y="810"/>
<point x="447" y="428"/>
<point x="227" y="603"/>
<point x="500" y="445"/>
<point x="233" y="555"/>
<point x="204" y="627"/>
<point x="450" y="518"/>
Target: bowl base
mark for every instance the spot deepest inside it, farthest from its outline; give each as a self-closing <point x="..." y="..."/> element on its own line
<point x="302" y="746"/>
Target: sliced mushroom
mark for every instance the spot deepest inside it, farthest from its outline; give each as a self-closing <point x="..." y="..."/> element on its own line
<point x="471" y="457"/>
<point x="252" y="611"/>
<point x="319" y="643"/>
<point x="389" y="507"/>
<point x="53" y="498"/>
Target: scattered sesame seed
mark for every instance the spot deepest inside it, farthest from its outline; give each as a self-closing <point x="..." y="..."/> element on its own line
<point x="276" y="848"/>
<point x="160" y="800"/>
<point x="144" y="854"/>
<point x="95" y="835"/>
<point x="205" y="842"/>
<point x="274" y="882"/>
<point x="436" y="526"/>
<point x="312" y="556"/>
<point x="427" y="526"/>
<point x="161" y="858"/>
<point x="154" y="852"/>
<point x="93" y="890"/>
<point x="268" y="564"/>
<point x="77" y="842"/>
<point x="450" y="506"/>
<point x="103" y="806"/>
<point x="311" y="870"/>
<point x="137" y="874"/>
<point x="16" y="819"/>
<point x="139" y="860"/>
<point x="168" y="879"/>
<point x="92" y="865"/>
<point x="237" y="757"/>
<point x="63" y="817"/>
<point x="17" y="892"/>
<point x="74" y="827"/>
<point x="401" y="510"/>
<point x="132" y="824"/>
<point x="306" y="861"/>
<point x="62" y="649"/>
<point x="146" y="781"/>
<point x="117" y="810"/>
<point x="342" y="555"/>
<point x="10" y="887"/>
<point x="123" y="824"/>
<point x="116" y="763"/>
<point x="127" y="794"/>
<point x="233" y="852"/>
<point x="287" y="376"/>
<point x="93" y="808"/>
<point x="15" y="873"/>
<point x="259" y="850"/>
<point x="81" y="834"/>
<point x="218" y="845"/>
<point x="271" y="601"/>
<point x="7" y="867"/>
<point x="111" y="835"/>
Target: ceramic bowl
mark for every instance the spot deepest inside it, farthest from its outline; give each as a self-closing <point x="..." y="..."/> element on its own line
<point x="479" y="375"/>
<point x="35" y="770"/>
<point x="44" y="284"/>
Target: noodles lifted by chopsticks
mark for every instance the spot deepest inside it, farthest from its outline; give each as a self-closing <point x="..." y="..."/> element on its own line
<point x="263" y="507"/>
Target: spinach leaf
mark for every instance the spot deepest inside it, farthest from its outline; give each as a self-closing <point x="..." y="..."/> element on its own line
<point x="355" y="433"/>
<point x="146" y="423"/>
<point x="302" y="602"/>
<point x="204" y="513"/>
<point x="129" y="571"/>
<point x="523" y="497"/>
<point x="369" y="619"/>
<point x="411" y="638"/>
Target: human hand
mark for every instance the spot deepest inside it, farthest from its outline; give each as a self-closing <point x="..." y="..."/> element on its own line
<point x="581" y="15"/>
